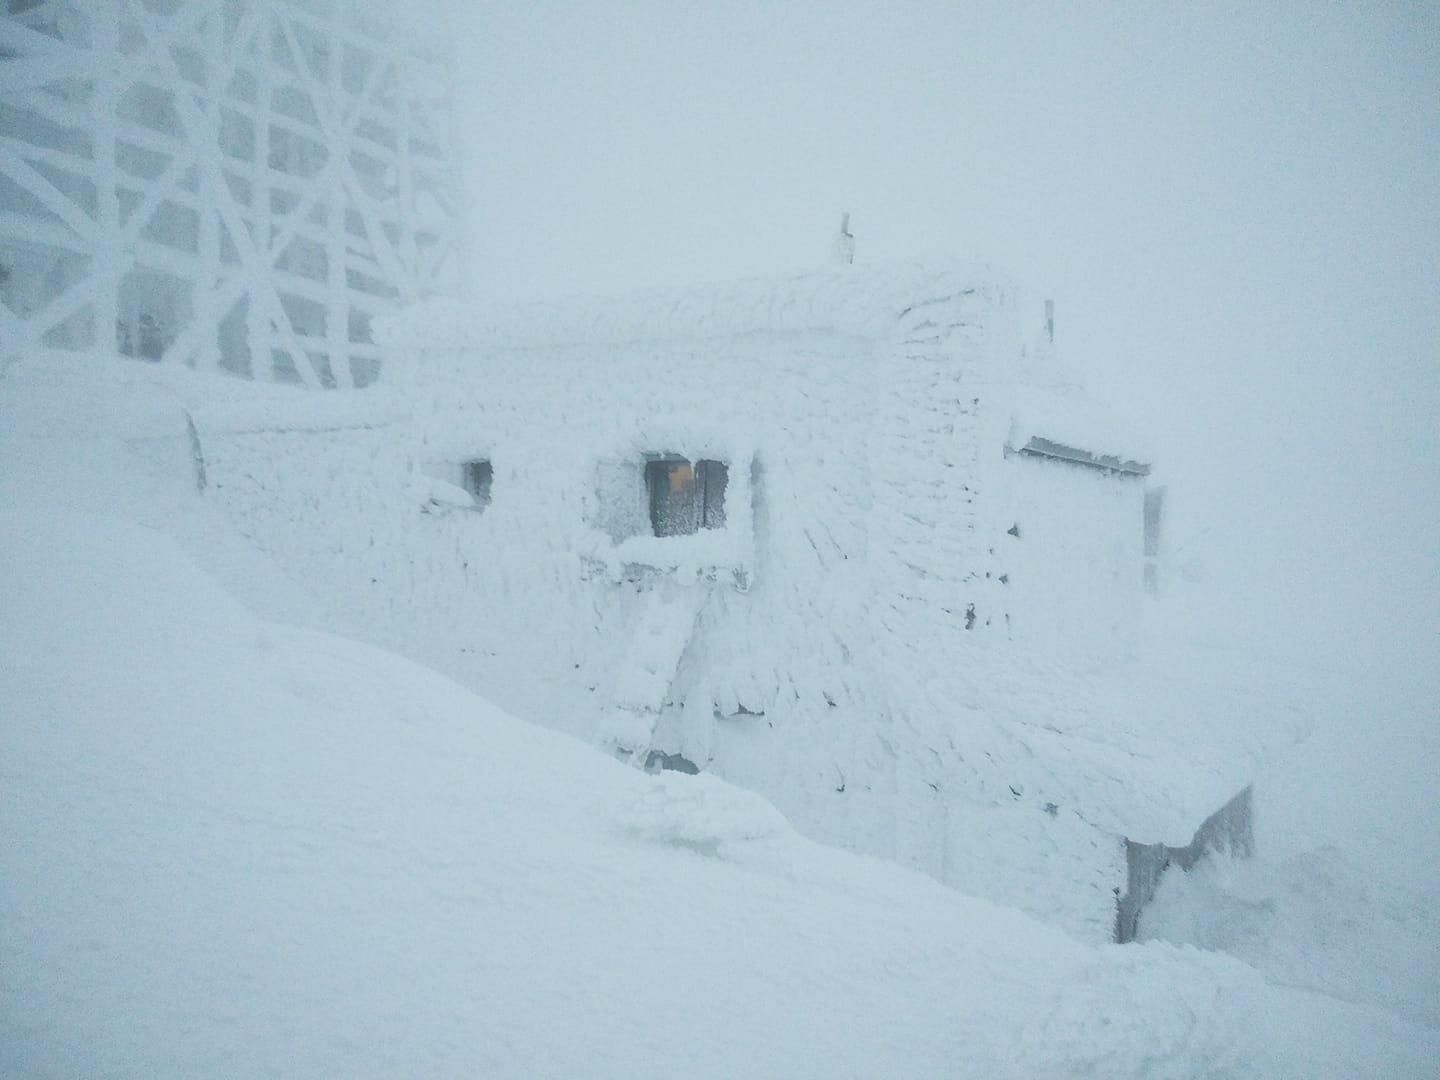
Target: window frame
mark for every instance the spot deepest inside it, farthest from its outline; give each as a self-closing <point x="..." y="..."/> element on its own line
<point x="477" y="479"/>
<point x="705" y="494"/>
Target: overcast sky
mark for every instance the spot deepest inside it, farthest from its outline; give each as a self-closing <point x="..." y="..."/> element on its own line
<point x="1237" y="208"/>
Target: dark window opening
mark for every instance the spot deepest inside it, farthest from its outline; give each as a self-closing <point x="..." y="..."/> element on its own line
<point x="1154" y="511"/>
<point x="1154" y="520"/>
<point x="685" y="497"/>
<point x="476" y="478"/>
<point x="658" y="760"/>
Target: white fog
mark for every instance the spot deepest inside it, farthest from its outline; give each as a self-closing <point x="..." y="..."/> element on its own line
<point x="520" y="593"/>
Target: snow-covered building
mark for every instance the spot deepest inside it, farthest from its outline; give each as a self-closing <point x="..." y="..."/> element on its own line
<point x="845" y="539"/>
<point x="238" y="184"/>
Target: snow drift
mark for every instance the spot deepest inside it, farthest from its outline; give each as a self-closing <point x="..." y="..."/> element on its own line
<point x="235" y="848"/>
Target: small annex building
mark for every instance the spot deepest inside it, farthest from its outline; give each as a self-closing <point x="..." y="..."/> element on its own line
<point x="848" y="539"/>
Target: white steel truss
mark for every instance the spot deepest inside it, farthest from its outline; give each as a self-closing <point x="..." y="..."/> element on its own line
<point x="238" y="184"/>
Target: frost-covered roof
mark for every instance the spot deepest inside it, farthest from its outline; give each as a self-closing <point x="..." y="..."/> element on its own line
<point x="1047" y="448"/>
<point x="1076" y="429"/>
<point x="864" y="301"/>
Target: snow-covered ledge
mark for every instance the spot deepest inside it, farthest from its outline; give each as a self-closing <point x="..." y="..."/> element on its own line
<point x="436" y="496"/>
<point x="709" y="555"/>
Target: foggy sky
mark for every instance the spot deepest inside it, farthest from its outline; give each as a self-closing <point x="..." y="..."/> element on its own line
<point x="1237" y="208"/>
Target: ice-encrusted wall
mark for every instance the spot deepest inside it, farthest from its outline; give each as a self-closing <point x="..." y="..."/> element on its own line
<point x="1072" y="554"/>
<point x="847" y="646"/>
<point x="522" y="586"/>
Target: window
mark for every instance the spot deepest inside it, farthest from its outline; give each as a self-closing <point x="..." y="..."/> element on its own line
<point x="456" y="485"/>
<point x="685" y="497"/>
<point x="476" y="477"/>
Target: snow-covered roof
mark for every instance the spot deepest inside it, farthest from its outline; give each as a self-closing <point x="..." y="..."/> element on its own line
<point x="1041" y="447"/>
<point x="864" y="301"/>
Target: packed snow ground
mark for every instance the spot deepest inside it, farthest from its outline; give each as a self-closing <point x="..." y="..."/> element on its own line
<point x="239" y="849"/>
<point x="234" y="848"/>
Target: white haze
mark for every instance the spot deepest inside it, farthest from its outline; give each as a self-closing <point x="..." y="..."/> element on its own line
<point x="1237" y="208"/>
<point x="231" y="847"/>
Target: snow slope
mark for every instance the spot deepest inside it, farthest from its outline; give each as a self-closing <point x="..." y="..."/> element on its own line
<point x="233" y="848"/>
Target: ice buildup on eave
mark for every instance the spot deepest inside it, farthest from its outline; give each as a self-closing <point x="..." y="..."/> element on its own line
<point x="1068" y="427"/>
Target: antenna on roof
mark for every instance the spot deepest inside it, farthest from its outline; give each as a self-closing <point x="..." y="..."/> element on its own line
<point x="845" y="241"/>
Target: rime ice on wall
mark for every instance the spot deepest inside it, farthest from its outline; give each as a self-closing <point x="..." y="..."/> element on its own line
<point x="870" y="641"/>
<point x="240" y="184"/>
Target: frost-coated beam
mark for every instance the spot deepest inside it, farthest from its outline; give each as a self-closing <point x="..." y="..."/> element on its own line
<point x="105" y="95"/>
<point x="179" y="192"/>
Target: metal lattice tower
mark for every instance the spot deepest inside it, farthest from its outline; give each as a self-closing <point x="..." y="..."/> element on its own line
<point x="234" y="184"/>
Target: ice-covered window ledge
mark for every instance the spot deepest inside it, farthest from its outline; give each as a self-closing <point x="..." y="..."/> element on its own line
<point x="683" y="515"/>
<point x="685" y="496"/>
<point x="449" y="487"/>
<point x="710" y="555"/>
<point x="435" y="496"/>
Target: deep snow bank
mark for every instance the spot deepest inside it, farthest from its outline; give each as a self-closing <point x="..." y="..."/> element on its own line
<point x="237" y="849"/>
<point x="1340" y="896"/>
